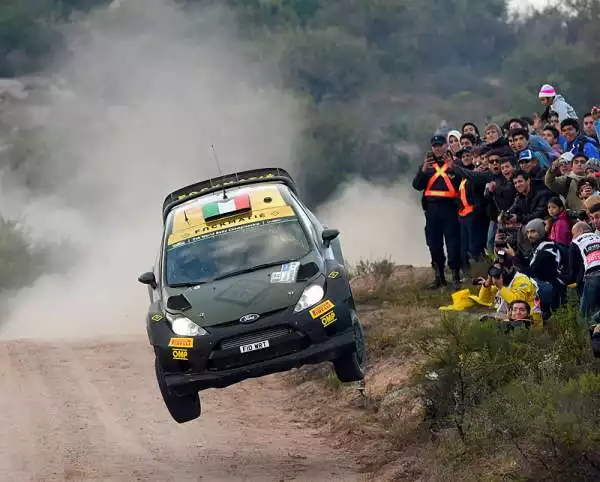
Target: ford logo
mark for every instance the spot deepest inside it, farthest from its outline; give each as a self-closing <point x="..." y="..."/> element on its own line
<point x="249" y="318"/>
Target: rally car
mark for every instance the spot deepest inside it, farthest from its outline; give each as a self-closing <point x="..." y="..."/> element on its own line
<point x="247" y="283"/>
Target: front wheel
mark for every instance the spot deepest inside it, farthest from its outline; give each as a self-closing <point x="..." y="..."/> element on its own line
<point x="351" y="368"/>
<point x="182" y="408"/>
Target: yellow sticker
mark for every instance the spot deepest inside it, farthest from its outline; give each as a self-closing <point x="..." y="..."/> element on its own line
<point x="334" y="274"/>
<point x="180" y="354"/>
<point x="181" y="342"/>
<point x="328" y="319"/>
<point x="157" y="317"/>
<point x="321" y="309"/>
<point x="255" y="216"/>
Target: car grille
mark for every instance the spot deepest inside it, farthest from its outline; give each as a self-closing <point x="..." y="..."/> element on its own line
<point x="255" y="336"/>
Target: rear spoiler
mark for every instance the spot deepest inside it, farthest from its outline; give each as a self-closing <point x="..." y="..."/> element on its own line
<point x="242" y="178"/>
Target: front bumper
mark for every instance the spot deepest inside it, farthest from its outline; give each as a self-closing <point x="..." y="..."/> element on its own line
<point x="328" y="350"/>
<point x="216" y="360"/>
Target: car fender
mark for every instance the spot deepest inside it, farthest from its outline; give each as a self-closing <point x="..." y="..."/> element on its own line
<point x="337" y="282"/>
<point x="155" y="318"/>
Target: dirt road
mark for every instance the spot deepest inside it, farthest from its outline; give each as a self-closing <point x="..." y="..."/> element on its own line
<point x="92" y="411"/>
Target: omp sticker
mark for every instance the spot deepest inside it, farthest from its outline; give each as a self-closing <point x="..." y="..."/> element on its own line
<point x="328" y="319"/>
<point x="321" y="309"/>
<point x="181" y="342"/>
<point x="224" y="225"/>
<point x="334" y="275"/>
<point x="180" y="354"/>
<point x="287" y="274"/>
<point x="157" y="317"/>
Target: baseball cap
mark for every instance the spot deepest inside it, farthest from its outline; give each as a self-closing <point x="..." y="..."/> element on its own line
<point x="525" y="156"/>
<point x="464" y="150"/>
<point x="566" y="157"/>
<point x="438" y="140"/>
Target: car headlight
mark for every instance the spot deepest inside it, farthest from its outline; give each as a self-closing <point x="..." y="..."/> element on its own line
<point x="183" y="326"/>
<point x="311" y="296"/>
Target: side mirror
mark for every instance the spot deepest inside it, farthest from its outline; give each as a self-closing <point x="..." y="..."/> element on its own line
<point x="328" y="236"/>
<point x="148" y="279"/>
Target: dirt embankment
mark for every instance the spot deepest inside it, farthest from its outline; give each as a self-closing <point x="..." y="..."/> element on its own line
<point x="92" y="412"/>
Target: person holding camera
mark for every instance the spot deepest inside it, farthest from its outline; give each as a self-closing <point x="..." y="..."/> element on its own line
<point x="566" y="185"/>
<point x="531" y="201"/>
<point x="440" y="188"/>
<point x="505" y="285"/>
<point x="546" y="266"/>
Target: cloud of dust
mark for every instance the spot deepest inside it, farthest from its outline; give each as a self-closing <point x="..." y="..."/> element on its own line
<point x="141" y="94"/>
<point x="377" y="222"/>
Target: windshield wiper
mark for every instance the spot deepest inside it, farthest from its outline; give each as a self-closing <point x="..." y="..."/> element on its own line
<point x="187" y="284"/>
<point x="253" y="268"/>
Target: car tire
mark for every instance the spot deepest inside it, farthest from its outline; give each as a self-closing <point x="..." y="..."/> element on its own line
<point x="182" y="408"/>
<point x="351" y="368"/>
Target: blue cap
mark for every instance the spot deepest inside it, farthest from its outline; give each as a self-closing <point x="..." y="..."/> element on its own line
<point x="438" y="140"/>
<point x="464" y="150"/>
<point x="526" y="155"/>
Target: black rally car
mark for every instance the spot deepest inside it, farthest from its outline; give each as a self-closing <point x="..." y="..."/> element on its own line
<point x="247" y="282"/>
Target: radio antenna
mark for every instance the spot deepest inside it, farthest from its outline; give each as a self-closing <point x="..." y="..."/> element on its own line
<point x="212" y="146"/>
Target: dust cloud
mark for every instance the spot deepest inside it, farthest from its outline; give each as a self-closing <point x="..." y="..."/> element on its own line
<point x="138" y="98"/>
<point x="377" y="223"/>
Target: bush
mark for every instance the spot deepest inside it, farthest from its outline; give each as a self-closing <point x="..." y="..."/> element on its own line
<point x="531" y="396"/>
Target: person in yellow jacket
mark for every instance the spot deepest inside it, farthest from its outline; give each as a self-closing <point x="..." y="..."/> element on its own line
<point x="503" y="285"/>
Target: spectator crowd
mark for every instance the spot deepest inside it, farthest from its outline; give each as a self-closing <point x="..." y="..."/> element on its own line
<point x="526" y="195"/>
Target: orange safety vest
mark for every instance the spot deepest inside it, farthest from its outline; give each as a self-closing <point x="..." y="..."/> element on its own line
<point x="466" y="207"/>
<point x="440" y="172"/>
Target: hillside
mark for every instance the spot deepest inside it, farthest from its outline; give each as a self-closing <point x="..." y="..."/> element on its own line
<point x="452" y="398"/>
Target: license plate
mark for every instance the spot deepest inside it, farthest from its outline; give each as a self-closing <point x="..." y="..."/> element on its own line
<point x="254" y="346"/>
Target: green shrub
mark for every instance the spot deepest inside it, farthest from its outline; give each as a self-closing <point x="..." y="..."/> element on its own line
<point x="531" y="395"/>
<point x="381" y="269"/>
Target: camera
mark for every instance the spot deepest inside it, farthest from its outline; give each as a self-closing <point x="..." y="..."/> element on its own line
<point x="577" y="215"/>
<point x="495" y="271"/>
<point x="505" y="215"/>
<point x="501" y="257"/>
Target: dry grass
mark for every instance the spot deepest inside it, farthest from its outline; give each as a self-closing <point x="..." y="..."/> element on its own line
<point x="382" y="420"/>
<point x="405" y="424"/>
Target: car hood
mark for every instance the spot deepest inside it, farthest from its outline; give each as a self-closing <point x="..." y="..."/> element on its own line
<point x="227" y="300"/>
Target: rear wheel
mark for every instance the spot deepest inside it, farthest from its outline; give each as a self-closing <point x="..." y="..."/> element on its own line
<point x="351" y="368"/>
<point x="182" y="408"/>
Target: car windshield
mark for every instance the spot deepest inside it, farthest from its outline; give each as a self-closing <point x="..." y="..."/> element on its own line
<point x="203" y="258"/>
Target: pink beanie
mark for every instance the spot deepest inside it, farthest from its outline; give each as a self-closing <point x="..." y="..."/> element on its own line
<point x="547" y="91"/>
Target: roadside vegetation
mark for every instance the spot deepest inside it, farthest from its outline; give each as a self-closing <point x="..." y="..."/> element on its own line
<point x="376" y="77"/>
<point x="449" y="397"/>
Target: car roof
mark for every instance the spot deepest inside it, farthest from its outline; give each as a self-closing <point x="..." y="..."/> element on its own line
<point x="241" y="178"/>
<point x="188" y="221"/>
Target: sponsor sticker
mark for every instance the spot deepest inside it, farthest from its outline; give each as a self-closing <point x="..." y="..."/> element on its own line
<point x="180" y="354"/>
<point x="287" y="274"/>
<point x="321" y="309"/>
<point x="181" y="342"/>
<point x="254" y="218"/>
<point x="328" y="319"/>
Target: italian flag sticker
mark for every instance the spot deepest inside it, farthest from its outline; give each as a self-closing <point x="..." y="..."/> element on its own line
<point x="238" y="203"/>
